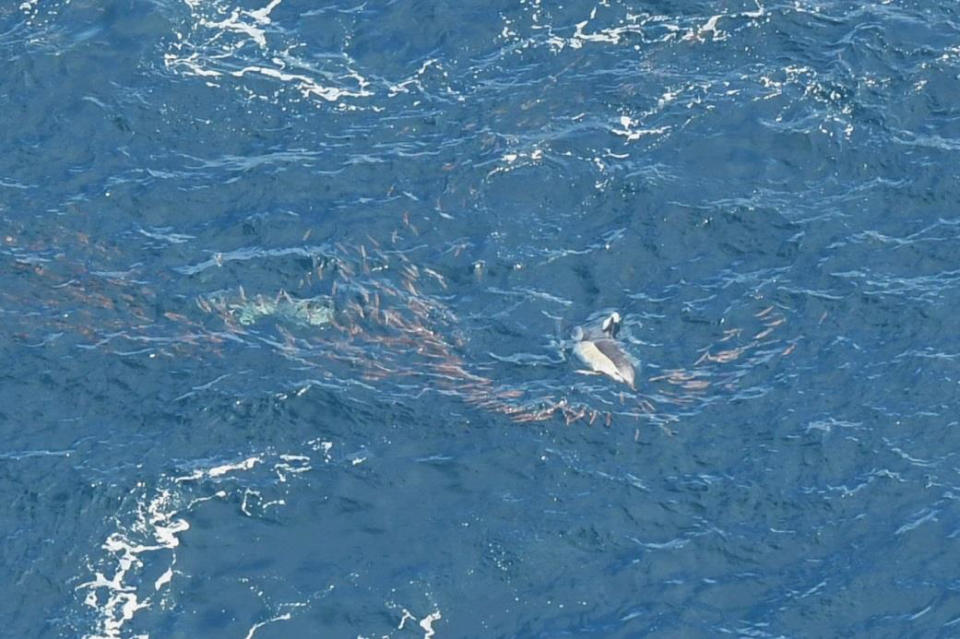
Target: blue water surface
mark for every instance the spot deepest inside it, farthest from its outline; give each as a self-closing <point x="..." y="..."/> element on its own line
<point x="286" y="292"/>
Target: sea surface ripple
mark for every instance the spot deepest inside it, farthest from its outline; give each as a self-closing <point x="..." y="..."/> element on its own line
<point x="286" y="291"/>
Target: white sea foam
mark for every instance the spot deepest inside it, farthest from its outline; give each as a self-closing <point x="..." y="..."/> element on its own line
<point x="632" y="132"/>
<point x="145" y="543"/>
<point x="426" y="623"/>
<point x="223" y="41"/>
<point x="155" y="528"/>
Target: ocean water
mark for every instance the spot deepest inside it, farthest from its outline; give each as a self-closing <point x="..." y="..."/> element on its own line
<point x="287" y="287"/>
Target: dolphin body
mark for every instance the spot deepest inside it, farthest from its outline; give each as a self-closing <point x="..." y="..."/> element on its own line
<point x="600" y="351"/>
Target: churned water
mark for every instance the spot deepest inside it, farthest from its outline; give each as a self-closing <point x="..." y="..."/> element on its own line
<point x="287" y="287"/>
